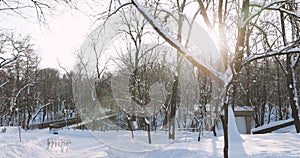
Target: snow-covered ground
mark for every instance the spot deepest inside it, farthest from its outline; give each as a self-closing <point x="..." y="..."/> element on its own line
<point x="120" y="144"/>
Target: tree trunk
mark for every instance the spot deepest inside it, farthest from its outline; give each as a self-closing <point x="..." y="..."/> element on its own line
<point x="173" y="108"/>
<point x="147" y="123"/>
<point x="236" y="65"/>
<point x="292" y="93"/>
<point x="129" y="123"/>
<point x="165" y="121"/>
<point x="280" y="112"/>
<point x="28" y="119"/>
<point x="225" y="128"/>
<point x="264" y="97"/>
<point x="175" y="88"/>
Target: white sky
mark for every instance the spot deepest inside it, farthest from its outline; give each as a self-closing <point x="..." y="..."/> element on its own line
<point x="58" y="43"/>
<point x="65" y="36"/>
<point x="66" y="33"/>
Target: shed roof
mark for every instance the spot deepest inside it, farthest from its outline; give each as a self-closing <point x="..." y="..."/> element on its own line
<point x="243" y="108"/>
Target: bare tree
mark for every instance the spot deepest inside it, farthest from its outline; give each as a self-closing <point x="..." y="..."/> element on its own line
<point x="240" y="48"/>
<point x="32" y="9"/>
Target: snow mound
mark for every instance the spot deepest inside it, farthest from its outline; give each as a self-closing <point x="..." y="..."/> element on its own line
<point x="233" y="132"/>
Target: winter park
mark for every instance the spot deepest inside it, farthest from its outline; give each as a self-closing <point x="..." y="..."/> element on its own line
<point x="149" y="79"/>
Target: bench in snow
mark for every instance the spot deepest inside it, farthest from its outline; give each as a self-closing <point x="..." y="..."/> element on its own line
<point x="272" y="126"/>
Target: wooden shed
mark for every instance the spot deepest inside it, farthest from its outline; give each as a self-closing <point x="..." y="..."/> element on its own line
<point x="243" y="117"/>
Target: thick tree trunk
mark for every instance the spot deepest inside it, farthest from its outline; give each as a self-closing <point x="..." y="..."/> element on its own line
<point x="225" y="128"/>
<point x="175" y="88"/>
<point x="236" y="65"/>
<point x="174" y="99"/>
<point x="290" y="74"/>
<point x="28" y="119"/>
<point x="262" y="114"/>
<point x="166" y="118"/>
<point x="292" y="94"/>
<point x="148" y="130"/>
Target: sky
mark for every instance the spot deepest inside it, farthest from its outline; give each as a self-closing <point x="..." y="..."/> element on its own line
<point x="57" y="42"/>
<point x="60" y="42"/>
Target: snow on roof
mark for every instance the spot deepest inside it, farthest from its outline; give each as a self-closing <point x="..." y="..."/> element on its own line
<point x="243" y="108"/>
<point x="272" y="124"/>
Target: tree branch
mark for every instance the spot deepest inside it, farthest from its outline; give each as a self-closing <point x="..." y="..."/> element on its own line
<point x="204" y="14"/>
<point x="283" y="51"/>
<point x="263" y="7"/>
<point x="207" y="69"/>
